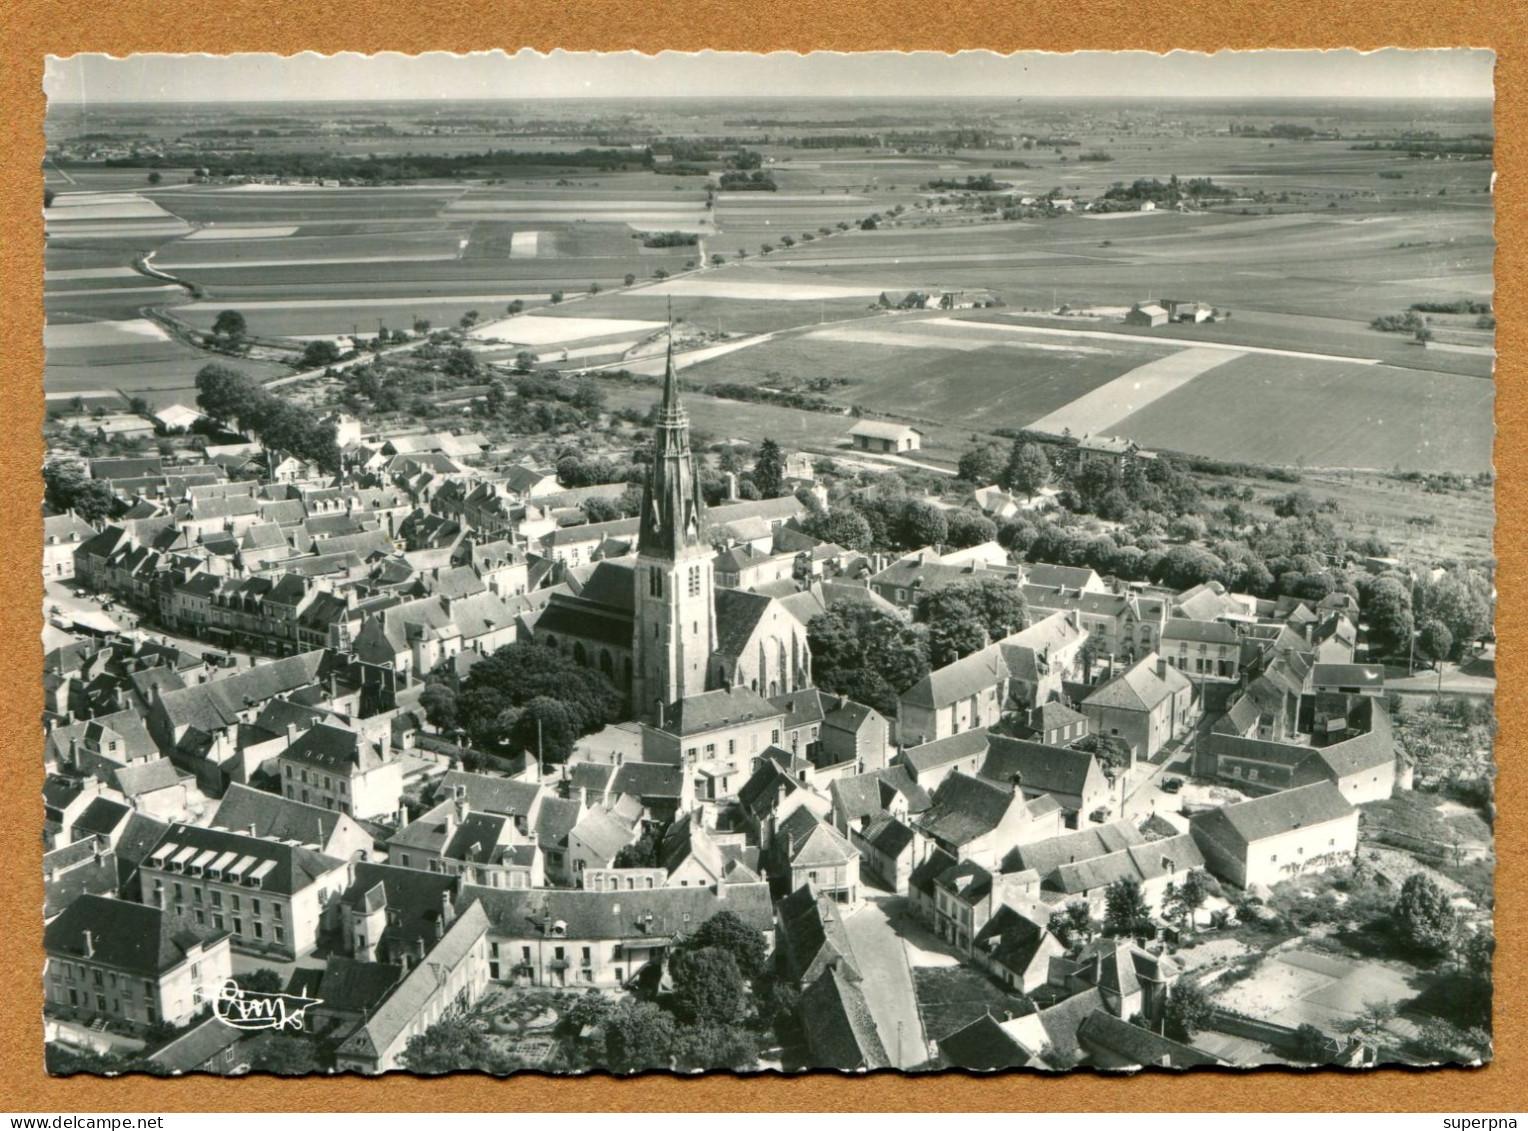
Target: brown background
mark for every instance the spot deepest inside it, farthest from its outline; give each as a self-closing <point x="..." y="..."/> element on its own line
<point x="34" y="29"/>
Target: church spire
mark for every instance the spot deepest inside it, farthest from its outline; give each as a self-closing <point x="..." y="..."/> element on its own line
<point x="673" y="512"/>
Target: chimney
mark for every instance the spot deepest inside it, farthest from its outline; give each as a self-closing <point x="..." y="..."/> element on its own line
<point x="583" y="797"/>
<point x="660" y="713"/>
<point x="447" y="909"/>
<point x="460" y="807"/>
<point x="1161" y="667"/>
<point x="89" y="945"/>
<point x="419" y="948"/>
<point x="403" y="817"/>
<point x="291" y="733"/>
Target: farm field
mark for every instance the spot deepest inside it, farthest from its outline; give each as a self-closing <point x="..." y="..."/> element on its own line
<point x="1285" y="411"/>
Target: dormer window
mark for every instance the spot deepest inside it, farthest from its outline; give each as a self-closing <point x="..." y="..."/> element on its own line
<point x="559" y="929"/>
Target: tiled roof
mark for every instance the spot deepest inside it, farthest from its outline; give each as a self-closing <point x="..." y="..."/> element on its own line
<point x="812" y="935"/>
<point x="294" y="868"/>
<point x="985" y="1046"/>
<point x="1102" y="1030"/>
<point x="674" y="912"/>
<point x="943" y="751"/>
<point x="270" y="815"/>
<point x="712" y="710"/>
<point x="842" y="1033"/>
<point x="335" y="748"/>
<point x="1045" y="856"/>
<point x="1247" y="822"/>
<point x="490" y="794"/>
<point x="1050" y="769"/>
<point x="965" y="808"/>
<point x="133" y="937"/>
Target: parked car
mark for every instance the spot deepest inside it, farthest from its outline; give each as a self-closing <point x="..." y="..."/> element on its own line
<point x="1172" y="785"/>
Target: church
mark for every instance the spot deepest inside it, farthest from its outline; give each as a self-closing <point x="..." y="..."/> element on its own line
<point x="655" y="622"/>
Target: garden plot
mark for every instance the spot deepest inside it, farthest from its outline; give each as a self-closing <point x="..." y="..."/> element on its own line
<point x="72" y="208"/>
<point x="1305" y="987"/>
<point x="524" y="244"/>
<point x="532" y="330"/>
<point x="80" y="335"/>
<point x="1102" y="408"/>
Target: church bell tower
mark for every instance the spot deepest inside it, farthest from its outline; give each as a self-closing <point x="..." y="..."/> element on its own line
<point x="675" y="623"/>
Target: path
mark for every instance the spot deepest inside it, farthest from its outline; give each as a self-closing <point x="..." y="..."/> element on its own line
<point x="1100" y="409"/>
<point x="887" y="984"/>
<point x="1106" y="335"/>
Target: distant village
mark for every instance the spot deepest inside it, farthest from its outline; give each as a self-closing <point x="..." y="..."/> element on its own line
<point x="259" y="696"/>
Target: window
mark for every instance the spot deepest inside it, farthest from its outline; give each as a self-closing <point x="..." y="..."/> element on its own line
<point x="196" y="895"/>
<point x="774" y="738"/>
<point x="217" y="898"/>
<point x="217" y="921"/>
<point x="587" y="956"/>
<point x="280" y="935"/>
<point x="238" y="925"/>
<point x="179" y="892"/>
<point x="276" y="911"/>
<point x="289" y="771"/>
<point x="255" y="906"/>
<point x="98" y="979"/>
<point x="234" y="901"/>
<point x="201" y="916"/>
<point x="694" y="581"/>
<point x="525" y="955"/>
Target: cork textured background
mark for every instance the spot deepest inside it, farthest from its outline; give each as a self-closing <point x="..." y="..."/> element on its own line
<point x="35" y="28"/>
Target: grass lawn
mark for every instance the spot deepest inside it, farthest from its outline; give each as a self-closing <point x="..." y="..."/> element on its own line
<point x="951" y="997"/>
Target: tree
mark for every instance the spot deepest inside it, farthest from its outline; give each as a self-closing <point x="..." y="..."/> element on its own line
<point x="1073" y="924"/>
<point x="595" y="288"/>
<point x="462" y="364"/>
<point x="47" y="198"/>
<point x="1387" y="610"/>
<point x="639" y="1035"/>
<point x="981" y="465"/>
<point x="439" y="703"/>
<point x="66" y="489"/>
<point x="708" y="986"/>
<point x="701" y="1047"/>
<point x="969" y="527"/>
<point x="421" y="326"/>
<point x="597" y="509"/>
<point x="1126" y="913"/>
<point x="661" y="273"/>
<point x="922" y="524"/>
<point x="1312" y="1046"/>
<point x="630" y="278"/>
<point x="556" y="297"/>
<point x="320" y="354"/>
<point x="644" y="852"/>
<point x="228" y="395"/>
<point x="517" y="674"/>
<point x="1423" y="917"/>
<point x="1435" y="640"/>
<point x="229" y="324"/>
<point x="1112" y="751"/>
<point x="285" y="1055"/>
<point x="450" y="1045"/>
<point x="769" y="469"/>
<point x="1027" y="471"/>
<point x="1461" y="598"/>
<point x="1183" y="567"/>
<point x="526" y="360"/>
<point x="1443" y="1041"/>
<point x="261" y="980"/>
<point x="1181" y="901"/>
<point x="1188" y="1011"/>
<point x="515" y="307"/>
<point x="1372" y="1025"/>
<point x="966" y="615"/>
<point x="869" y="654"/>
<point x="843" y="526"/>
<point x="725" y="931"/>
<point x="155" y="177"/>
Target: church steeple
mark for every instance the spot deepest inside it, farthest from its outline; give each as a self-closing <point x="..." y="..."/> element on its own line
<point x="673" y="511"/>
<point x="674" y="632"/>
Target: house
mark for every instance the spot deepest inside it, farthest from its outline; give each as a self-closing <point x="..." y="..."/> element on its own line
<point x="840" y="1031"/>
<point x="1268" y="839"/>
<point x="87" y="866"/>
<point x="62" y="535"/>
<point x="112" y="960"/>
<point x="810" y="938"/>
<point x="453" y="975"/>
<point x="979" y="820"/>
<point x="488" y="849"/>
<point x="1146" y="314"/>
<point x="987" y="1045"/>
<point x="806" y="849"/>
<point x="1364" y="767"/>
<point x="1073" y="777"/>
<point x="731" y="723"/>
<point x="1054" y="724"/>
<point x="341" y="769"/>
<point x="852" y="735"/>
<point x="1111" y="1042"/>
<point x="1186" y="310"/>
<point x="601" y="939"/>
<point x="1146" y="706"/>
<point x="693" y="856"/>
<point x="1015" y="673"/>
<point x="906" y="300"/>
<point x="1153" y="865"/>
<point x="885" y="436"/>
<point x="1202" y="649"/>
<point x="929" y="763"/>
<point x="274" y="817"/>
<point x="213" y="1046"/>
<point x="1109" y="451"/>
<point x="1015" y="949"/>
<point x="394" y="915"/>
<point x="744" y="567"/>
<point x="271" y="895"/>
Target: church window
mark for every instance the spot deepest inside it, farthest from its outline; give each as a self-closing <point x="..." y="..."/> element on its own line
<point x="655" y="582"/>
<point x="694" y="581"/>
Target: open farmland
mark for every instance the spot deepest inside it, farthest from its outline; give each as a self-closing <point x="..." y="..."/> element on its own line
<point x="1262" y="409"/>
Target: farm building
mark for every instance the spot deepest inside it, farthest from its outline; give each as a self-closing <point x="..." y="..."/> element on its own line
<point x="967" y="300"/>
<point x="124" y="427"/>
<point x="906" y="300"/>
<point x="176" y="417"/>
<point x="1146" y="314"/>
<point x="885" y="436"/>
<point x="1114" y="450"/>
<point x="1186" y="310"/>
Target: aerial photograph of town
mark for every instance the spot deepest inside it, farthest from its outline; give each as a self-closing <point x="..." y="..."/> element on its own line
<point x="588" y="563"/>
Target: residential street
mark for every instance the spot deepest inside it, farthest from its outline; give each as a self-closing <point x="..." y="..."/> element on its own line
<point x="888" y="982"/>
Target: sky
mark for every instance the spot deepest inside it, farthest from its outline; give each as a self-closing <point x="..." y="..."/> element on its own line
<point x="1391" y="73"/>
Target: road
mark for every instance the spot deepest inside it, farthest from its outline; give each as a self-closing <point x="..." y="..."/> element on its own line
<point x="888" y="982"/>
<point x="1453" y="682"/>
<point x="1144" y="794"/>
<point x="62" y="595"/>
